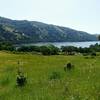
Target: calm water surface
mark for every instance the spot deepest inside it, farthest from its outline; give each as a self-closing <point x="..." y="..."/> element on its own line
<point x="59" y="44"/>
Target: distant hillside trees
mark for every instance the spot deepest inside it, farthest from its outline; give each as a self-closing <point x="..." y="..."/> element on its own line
<point x="7" y="46"/>
<point x="99" y="37"/>
<point x="53" y="50"/>
<point x="23" y="31"/>
<point x="45" y="50"/>
<point x="70" y="50"/>
<point x="95" y="47"/>
<point x="49" y="50"/>
<point x="28" y="49"/>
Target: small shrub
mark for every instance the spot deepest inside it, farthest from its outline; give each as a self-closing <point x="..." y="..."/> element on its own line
<point x="69" y="66"/>
<point x="55" y="75"/>
<point x="93" y="54"/>
<point x="87" y="57"/>
<point x="21" y="79"/>
<point x="71" y="53"/>
<point x="66" y="91"/>
<point x="85" y="54"/>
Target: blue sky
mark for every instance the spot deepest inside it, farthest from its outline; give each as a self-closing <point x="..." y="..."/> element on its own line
<point x="82" y="15"/>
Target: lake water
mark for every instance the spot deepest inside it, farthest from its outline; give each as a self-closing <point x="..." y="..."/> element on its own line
<point x="59" y="44"/>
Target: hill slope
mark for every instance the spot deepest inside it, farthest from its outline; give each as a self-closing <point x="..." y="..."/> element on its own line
<point x="31" y="31"/>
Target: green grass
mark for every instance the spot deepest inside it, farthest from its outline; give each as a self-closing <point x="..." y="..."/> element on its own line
<point x="81" y="83"/>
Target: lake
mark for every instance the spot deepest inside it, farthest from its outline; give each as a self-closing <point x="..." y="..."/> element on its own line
<point x="59" y="44"/>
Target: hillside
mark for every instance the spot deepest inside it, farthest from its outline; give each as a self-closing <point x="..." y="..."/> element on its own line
<point x="23" y="31"/>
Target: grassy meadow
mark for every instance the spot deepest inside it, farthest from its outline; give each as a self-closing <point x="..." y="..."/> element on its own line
<point x="80" y="83"/>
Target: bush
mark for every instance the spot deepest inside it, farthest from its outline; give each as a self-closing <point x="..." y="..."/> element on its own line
<point x="93" y="54"/>
<point x="85" y="54"/>
<point x="70" y="50"/>
<point x="49" y="50"/>
<point x="7" y="46"/>
<point x="69" y="66"/>
<point x="29" y="49"/>
<point x="21" y="79"/>
<point x="55" y="75"/>
<point x="45" y="50"/>
<point x="53" y="50"/>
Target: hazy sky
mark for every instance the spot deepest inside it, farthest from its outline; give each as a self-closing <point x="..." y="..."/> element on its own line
<point x="82" y="15"/>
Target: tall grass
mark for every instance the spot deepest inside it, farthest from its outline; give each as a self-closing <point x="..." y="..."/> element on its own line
<point x="82" y="83"/>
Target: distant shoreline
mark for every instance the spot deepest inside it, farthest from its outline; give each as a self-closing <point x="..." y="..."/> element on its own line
<point x="59" y="44"/>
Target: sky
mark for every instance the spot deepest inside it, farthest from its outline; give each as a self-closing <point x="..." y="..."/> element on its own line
<point x="83" y="15"/>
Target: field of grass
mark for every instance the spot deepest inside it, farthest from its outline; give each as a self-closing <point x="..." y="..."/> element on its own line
<point x="80" y="83"/>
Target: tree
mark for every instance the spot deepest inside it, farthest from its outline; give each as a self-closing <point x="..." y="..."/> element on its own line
<point x="69" y="49"/>
<point x="7" y="46"/>
<point x="99" y="37"/>
<point x="45" y="50"/>
<point x="49" y="50"/>
<point x="53" y="50"/>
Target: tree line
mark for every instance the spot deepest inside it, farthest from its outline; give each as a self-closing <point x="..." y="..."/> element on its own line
<point x="51" y="49"/>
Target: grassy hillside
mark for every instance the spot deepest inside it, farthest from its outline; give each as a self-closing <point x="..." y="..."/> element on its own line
<point x="24" y="31"/>
<point x="81" y="83"/>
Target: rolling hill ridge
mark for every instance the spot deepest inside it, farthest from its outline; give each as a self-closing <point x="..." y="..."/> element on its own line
<point x="23" y="31"/>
